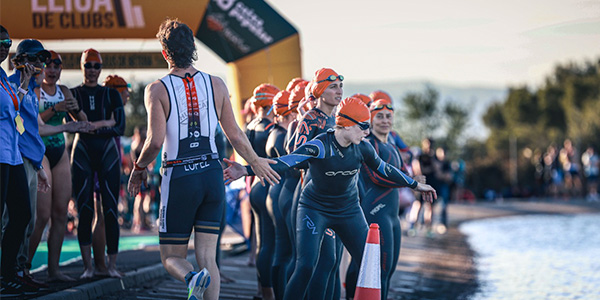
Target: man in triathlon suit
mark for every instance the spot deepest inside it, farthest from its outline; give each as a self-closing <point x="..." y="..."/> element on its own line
<point x="330" y="200"/>
<point x="97" y="152"/>
<point x="184" y="108"/>
<point x="258" y="132"/>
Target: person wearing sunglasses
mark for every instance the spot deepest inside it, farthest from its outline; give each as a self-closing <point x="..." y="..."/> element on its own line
<point x="14" y="188"/>
<point x="56" y="101"/>
<point x="330" y="200"/>
<point x="97" y="153"/>
<point x="31" y="54"/>
<point x="380" y="201"/>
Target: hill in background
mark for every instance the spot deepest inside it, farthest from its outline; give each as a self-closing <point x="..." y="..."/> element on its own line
<point x="476" y="98"/>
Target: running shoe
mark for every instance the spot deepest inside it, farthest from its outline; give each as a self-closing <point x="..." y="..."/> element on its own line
<point x="10" y="288"/>
<point x="198" y="285"/>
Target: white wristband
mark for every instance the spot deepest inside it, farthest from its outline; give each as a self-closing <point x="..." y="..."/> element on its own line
<point x="22" y="91"/>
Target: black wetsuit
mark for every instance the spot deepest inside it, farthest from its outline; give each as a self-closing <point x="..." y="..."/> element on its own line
<point x="258" y="132"/>
<point x="330" y="200"/>
<point x="275" y="148"/>
<point x="98" y="153"/>
<point x="325" y="283"/>
<point x="380" y="205"/>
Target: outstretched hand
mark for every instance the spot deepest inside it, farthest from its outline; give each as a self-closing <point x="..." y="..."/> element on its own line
<point x="428" y="192"/>
<point x="233" y="171"/>
<point x="263" y="171"/>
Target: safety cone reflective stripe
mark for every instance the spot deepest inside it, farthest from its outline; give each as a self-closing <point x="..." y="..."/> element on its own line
<point x="368" y="286"/>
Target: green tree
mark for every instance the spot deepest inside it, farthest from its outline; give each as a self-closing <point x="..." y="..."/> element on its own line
<point x="135" y="111"/>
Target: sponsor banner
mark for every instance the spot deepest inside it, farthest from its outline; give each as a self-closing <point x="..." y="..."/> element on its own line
<point x="236" y="28"/>
<point x="81" y="19"/>
<point x="110" y="60"/>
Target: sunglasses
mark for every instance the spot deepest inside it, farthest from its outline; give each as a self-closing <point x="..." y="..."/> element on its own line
<point x="32" y="58"/>
<point x="362" y="125"/>
<point x="382" y="106"/>
<point x="332" y="78"/>
<point x="55" y="61"/>
<point x="6" y="43"/>
<point x="90" y="65"/>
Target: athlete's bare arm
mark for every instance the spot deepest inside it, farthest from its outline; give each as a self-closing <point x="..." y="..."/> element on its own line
<point x="236" y="136"/>
<point x="156" y="101"/>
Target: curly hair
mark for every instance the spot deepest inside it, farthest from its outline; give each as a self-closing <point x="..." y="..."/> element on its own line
<point x="177" y="39"/>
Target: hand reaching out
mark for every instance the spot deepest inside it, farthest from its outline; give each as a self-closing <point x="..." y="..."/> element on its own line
<point x="428" y="192"/>
<point x="233" y="171"/>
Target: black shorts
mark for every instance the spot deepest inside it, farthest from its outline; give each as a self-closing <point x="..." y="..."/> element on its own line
<point x="193" y="201"/>
<point x="54" y="154"/>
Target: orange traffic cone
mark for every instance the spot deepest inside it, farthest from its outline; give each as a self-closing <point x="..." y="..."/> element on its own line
<point x="368" y="286"/>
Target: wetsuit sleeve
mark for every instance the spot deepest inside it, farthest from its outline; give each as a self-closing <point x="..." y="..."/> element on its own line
<point x="118" y="112"/>
<point x="310" y="150"/>
<point x="396" y="177"/>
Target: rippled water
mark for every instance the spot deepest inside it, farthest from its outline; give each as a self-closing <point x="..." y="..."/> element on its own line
<point x="537" y="257"/>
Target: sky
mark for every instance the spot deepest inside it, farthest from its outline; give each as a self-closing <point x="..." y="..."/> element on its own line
<point x="462" y="43"/>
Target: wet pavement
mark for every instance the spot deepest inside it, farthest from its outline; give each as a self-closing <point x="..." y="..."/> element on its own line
<point x="431" y="266"/>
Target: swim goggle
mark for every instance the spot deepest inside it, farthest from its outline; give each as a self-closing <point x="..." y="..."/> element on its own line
<point x="332" y="78"/>
<point x="362" y="125"/>
<point x="89" y="65"/>
<point x="382" y="106"/>
<point x="6" y="43"/>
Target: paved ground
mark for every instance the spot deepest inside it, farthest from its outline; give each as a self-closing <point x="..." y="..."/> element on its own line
<point x="430" y="267"/>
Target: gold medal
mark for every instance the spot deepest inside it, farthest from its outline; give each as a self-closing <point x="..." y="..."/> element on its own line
<point x="19" y="123"/>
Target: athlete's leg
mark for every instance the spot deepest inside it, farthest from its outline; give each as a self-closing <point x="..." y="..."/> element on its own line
<point x="61" y="194"/>
<point x="109" y="179"/>
<point x="43" y="211"/>
<point x="310" y="228"/>
<point x="397" y="236"/>
<point x="83" y="181"/>
<point x="13" y="189"/>
<point x="205" y="246"/>
<point x="265" y="238"/>
<point x="99" y="237"/>
<point x="282" y="251"/>
<point x="386" y="246"/>
<point x="322" y="276"/>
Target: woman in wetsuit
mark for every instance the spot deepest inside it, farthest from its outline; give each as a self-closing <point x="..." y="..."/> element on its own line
<point x="330" y="200"/>
<point x="380" y="203"/>
<point x="275" y="148"/>
<point x="97" y="152"/>
<point x="258" y="132"/>
<point x="56" y="101"/>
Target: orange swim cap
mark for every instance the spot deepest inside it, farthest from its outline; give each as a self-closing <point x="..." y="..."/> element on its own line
<point x="379" y="105"/>
<point x="322" y="80"/>
<point x="292" y="84"/>
<point x="280" y="103"/>
<point x="365" y="99"/>
<point x="91" y="55"/>
<point x="54" y="55"/>
<point x="296" y="95"/>
<point x="263" y="95"/>
<point x="379" y="94"/>
<point x="116" y="82"/>
<point x="352" y="111"/>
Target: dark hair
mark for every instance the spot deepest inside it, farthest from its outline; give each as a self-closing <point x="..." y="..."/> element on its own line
<point x="2" y="29"/>
<point x="177" y="39"/>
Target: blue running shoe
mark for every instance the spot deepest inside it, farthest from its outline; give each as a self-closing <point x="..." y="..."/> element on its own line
<point x="198" y="285"/>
